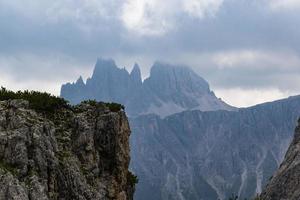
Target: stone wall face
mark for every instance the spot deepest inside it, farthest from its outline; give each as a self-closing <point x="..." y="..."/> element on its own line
<point x="79" y="153"/>
<point x="285" y="184"/>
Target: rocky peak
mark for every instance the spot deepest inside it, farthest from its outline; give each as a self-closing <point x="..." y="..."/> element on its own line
<point x="176" y="79"/>
<point x="80" y="81"/>
<point x="135" y="74"/>
<point x="105" y="63"/>
<point x="168" y="90"/>
<point x="107" y="69"/>
<point x="285" y="183"/>
<point x="79" y="153"/>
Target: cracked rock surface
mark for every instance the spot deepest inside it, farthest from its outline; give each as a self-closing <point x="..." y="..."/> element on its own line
<point x="285" y="184"/>
<point x="80" y="153"/>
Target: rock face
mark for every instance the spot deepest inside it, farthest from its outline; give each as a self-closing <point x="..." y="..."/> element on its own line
<point x="80" y="153"/>
<point x="211" y="155"/>
<point x="285" y="184"/>
<point x="168" y="90"/>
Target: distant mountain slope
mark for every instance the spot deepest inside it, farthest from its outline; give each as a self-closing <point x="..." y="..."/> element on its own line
<point x="168" y="90"/>
<point x="285" y="184"/>
<point x="210" y="155"/>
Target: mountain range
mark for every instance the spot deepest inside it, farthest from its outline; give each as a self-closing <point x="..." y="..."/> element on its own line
<point x="168" y="90"/>
<point x="186" y="143"/>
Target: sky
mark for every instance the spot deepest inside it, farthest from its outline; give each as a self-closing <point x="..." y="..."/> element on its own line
<point x="248" y="50"/>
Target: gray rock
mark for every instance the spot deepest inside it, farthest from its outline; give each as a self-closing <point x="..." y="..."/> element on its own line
<point x="81" y="153"/>
<point x="168" y="90"/>
<point x="285" y="184"/>
<point x="210" y="155"/>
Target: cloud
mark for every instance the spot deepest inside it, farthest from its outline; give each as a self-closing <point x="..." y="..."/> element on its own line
<point x="202" y="8"/>
<point x="251" y="45"/>
<point x="155" y="17"/>
<point x="257" y="59"/>
<point x="146" y="17"/>
<point x="244" y="98"/>
<point x="44" y="73"/>
<point x="279" y="5"/>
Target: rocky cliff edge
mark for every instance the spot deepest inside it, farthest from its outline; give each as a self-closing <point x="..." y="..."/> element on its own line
<point x="285" y="184"/>
<point x="76" y="153"/>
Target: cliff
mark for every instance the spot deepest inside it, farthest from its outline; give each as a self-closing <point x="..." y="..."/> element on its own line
<point x="285" y="184"/>
<point x="81" y="152"/>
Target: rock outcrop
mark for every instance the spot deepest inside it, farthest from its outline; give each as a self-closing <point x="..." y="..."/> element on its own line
<point x="169" y="89"/>
<point x="285" y="184"/>
<point x="80" y="153"/>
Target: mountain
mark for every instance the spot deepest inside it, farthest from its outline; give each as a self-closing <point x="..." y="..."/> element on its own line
<point x="73" y="153"/>
<point x="168" y="90"/>
<point x="285" y="184"/>
<point x="210" y="155"/>
<point x="186" y="143"/>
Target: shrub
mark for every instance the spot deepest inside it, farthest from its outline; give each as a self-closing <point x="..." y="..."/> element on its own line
<point x="91" y="102"/>
<point x="115" y="107"/>
<point x="132" y="179"/>
<point x="39" y="101"/>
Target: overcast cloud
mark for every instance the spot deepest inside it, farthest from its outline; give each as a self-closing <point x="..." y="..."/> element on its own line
<point x="248" y="50"/>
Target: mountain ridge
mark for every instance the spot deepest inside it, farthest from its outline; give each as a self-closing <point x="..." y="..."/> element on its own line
<point x="168" y="89"/>
<point x="226" y="152"/>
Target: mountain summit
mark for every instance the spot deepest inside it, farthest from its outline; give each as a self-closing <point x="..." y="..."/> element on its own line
<point x="169" y="89"/>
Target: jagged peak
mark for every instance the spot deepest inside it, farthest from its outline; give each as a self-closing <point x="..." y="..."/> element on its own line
<point x="160" y="66"/>
<point x="136" y="73"/>
<point x="80" y="81"/>
<point x="104" y="64"/>
<point x="136" y="68"/>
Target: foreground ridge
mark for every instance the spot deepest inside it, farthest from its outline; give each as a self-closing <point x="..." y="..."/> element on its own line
<point x="81" y="152"/>
<point x="285" y="184"/>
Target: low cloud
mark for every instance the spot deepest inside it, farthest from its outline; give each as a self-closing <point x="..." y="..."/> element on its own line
<point x="250" y="45"/>
<point x="155" y="17"/>
<point x="280" y="5"/>
<point x="244" y="98"/>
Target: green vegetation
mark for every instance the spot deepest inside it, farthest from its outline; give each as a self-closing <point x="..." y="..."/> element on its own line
<point x="132" y="179"/>
<point x="113" y="107"/>
<point x="39" y="101"/>
<point x="47" y="103"/>
<point x="8" y="168"/>
<point x="90" y="102"/>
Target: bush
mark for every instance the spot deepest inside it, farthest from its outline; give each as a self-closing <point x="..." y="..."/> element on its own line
<point x="132" y="179"/>
<point x="90" y="102"/>
<point x="39" y="101"/>
<point x="115" y="107"/>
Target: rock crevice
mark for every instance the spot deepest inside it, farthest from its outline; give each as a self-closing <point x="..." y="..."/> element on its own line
<point x="79" y="153"/>
<point x="285" y="184"/>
